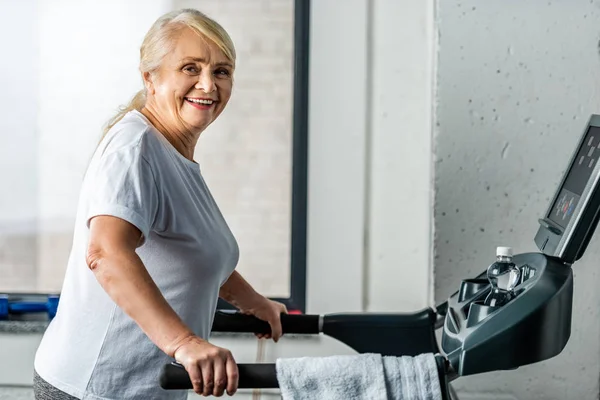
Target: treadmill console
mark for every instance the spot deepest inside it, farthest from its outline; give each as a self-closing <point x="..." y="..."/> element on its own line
<point x="572" y="215"/>
<point x="529" y="319"/>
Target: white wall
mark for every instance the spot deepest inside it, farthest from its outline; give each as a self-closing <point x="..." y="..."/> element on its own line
<point x="358" y="259"/>
<point x="370" y="140"/>
<point x="517" y="83"/>
<point x="401" y="85"/>
<point x="337" y="156"/>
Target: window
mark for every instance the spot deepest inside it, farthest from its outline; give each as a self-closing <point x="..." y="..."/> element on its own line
<point x="61" y="87"/>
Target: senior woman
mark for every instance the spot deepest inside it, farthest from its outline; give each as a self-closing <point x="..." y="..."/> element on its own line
<point x="151" y="251"/>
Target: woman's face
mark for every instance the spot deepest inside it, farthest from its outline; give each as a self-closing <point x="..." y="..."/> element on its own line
<point x="193" y="84"/>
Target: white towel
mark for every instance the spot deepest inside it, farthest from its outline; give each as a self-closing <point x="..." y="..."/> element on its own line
<point x="359" y="377"/>
<point x="412" y="378"/>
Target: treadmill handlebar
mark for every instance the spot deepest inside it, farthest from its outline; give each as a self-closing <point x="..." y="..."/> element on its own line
<point x="234" y="321"/>
<point x="173" y="376"/>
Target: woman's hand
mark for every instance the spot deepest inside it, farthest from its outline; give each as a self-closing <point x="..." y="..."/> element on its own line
<point x="237" y="291"/>
<point x="212" y="369"/>
<point x="269" y="311"/>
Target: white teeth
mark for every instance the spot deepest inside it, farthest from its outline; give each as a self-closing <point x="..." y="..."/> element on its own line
<point x="201" y="101"/>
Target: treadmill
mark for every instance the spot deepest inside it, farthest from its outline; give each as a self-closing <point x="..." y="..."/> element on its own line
<point x="532" y="325"/>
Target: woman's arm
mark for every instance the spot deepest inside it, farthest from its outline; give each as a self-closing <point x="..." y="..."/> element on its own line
<point x="238" y="292"/>
<point x="112" y="258"/>
<point x="119" y="270"/>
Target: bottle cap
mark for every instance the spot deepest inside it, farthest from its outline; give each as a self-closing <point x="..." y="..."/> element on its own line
<point x="504" y="251"/>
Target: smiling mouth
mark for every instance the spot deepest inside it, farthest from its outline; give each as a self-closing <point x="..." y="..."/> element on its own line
<point x="200" y="103"/>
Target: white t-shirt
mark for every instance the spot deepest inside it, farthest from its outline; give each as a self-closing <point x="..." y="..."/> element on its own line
<point x="92" y="349"/>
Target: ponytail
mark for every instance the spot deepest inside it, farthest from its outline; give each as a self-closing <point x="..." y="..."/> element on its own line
<point x="137" y="103"/>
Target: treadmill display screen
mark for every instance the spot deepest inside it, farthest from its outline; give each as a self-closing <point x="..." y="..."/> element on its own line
<point x="580" y="172"/>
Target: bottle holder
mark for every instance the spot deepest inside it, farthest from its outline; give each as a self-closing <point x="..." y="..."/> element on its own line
<point x="470" y="288"/>
<point x="478" y="311"/>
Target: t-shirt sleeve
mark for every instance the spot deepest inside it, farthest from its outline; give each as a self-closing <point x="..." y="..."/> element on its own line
<point x="122" y="185"/>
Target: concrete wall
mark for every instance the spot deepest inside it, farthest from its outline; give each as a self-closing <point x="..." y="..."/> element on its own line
<point x="517" y="82"/>
<point x="357" y="258"/>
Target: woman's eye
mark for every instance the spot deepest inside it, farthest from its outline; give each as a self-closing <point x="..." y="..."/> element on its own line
<point x="191" y="69"/>
<point x="222" y="72"/>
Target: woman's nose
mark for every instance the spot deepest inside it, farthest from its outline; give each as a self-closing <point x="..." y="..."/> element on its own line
<point x="206" y="82"/>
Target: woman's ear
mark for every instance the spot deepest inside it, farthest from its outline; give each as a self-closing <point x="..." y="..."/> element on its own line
<point x="147" y="77"/>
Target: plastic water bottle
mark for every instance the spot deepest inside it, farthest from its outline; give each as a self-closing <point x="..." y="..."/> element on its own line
<point x="504" y="276"/>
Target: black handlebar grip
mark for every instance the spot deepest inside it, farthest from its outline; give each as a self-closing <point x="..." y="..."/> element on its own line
<point x="291" y="323"/>
<point x="261" y="376"/>
<point x="174" y="376"/>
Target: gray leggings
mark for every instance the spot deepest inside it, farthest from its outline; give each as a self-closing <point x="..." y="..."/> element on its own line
<point x="45" y="391"/>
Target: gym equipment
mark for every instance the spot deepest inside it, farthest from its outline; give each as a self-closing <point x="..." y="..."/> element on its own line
<point x="12" y="304"/>
<point x="516" y="312"/>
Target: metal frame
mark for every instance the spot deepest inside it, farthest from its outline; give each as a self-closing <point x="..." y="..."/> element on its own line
<point x="297" y="299"/>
